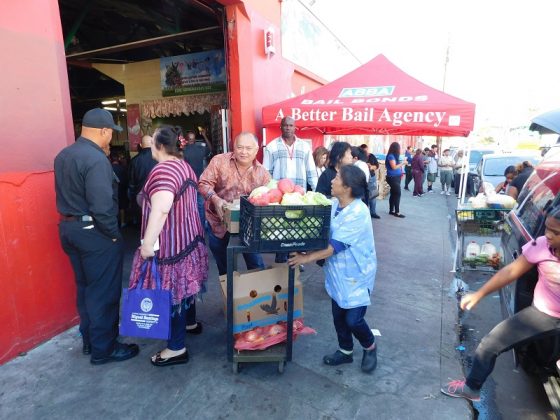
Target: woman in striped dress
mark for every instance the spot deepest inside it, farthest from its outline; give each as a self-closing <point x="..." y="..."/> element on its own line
<point x="171" y="229"/>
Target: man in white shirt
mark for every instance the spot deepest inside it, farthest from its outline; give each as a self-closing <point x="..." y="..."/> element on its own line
<point x="289" y="157"/>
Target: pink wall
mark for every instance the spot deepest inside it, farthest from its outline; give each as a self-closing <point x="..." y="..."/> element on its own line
<point x="36" y="123"/>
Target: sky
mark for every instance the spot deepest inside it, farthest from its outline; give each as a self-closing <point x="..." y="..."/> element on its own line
<point x="503" y="55"/>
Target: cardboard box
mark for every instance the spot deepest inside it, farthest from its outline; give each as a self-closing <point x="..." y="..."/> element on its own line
<point x="260" y="297"/>
<point x="231" y="217"/>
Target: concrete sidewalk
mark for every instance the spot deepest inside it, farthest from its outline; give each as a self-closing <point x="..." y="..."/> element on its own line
<point x="411" y="307"/>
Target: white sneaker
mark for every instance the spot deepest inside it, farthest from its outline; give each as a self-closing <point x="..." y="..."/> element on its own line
<point x="447" y="193"/>
<point x="442" y="192"/>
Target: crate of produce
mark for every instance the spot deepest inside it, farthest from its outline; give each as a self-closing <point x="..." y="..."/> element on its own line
<point x="284" y="228"/>
<point x="480" y="221"/>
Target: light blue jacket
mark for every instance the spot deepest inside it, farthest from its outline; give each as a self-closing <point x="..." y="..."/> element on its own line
<point x="350" y="274"/>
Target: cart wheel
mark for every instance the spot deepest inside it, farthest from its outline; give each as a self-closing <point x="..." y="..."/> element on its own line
<point x="281" y="366"/>
<point x="235" y="367"/>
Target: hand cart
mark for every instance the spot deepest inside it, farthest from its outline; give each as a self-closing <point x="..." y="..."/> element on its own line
<point x="273" y="229"/>
<point x="280" y="353"/>
<point x="476" y="224"/>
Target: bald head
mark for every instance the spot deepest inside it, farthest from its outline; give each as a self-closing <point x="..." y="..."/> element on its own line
<point x="288" y="128"/>
<point x="146" y="141"/>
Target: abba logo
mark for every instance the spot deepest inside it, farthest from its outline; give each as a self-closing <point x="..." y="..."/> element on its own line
<point x="146" y="305"/>
<point x="366" y="92"/>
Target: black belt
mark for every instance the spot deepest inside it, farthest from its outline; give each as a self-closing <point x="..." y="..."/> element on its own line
<point x="67" y="218"/>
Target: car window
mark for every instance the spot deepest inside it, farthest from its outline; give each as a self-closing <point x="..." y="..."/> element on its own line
<point x="497" y="166"/>
<point x="542" y="189"/>
<point x="476" y="155"/>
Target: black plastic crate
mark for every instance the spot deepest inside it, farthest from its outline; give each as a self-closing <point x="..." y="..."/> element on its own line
<point x="284" y="228"/>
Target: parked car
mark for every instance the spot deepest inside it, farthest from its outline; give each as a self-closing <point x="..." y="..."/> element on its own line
<point x="475" y="157"/>
<point x="524" y="224"/>
<point x="491" y="167"/>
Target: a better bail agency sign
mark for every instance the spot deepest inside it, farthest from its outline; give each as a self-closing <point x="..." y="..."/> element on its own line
<point x="352" y="107"/>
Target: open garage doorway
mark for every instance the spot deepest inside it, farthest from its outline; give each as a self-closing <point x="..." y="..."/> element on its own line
<point x="115" y="51"/>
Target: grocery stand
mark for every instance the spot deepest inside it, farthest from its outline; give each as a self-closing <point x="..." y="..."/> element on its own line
<point x="280" y="353"/>
<point x="479" y="223"/>
<point x="272" y="229"/>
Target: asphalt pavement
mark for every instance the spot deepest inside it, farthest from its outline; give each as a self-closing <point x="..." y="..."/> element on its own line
<point x="412" y="307"/>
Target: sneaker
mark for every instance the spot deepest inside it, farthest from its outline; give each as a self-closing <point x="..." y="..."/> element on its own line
<point x="442" y="192"/>
<point x="447" y="193"/>
<point x="430" y="191"/>
<point x="337" y="358"/>
<point x="459" y="389"/>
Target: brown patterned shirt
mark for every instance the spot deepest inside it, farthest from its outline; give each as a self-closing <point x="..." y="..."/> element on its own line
<point x="223" y="178"/>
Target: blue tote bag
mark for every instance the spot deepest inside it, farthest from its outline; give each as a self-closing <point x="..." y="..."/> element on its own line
<point x="145" y="312"/>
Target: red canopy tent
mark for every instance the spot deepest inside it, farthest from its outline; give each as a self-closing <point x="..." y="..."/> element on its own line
<point x="376" y="98"/>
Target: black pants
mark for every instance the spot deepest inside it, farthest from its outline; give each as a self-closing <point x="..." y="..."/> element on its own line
<point x="97" y="262"/>
<point x="395" y="193"/>
<point x="457" y="182"/>
<point x="526" y="325"/>
<point x="407" y="176"/>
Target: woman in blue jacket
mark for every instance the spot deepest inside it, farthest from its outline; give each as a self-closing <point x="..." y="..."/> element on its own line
<point x="350" y="267"/>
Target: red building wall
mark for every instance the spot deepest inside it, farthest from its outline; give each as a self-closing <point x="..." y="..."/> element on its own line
<point x="36" y="122"/>
<point x="256" y="80"/>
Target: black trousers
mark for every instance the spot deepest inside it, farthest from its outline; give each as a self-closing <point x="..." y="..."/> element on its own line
<point x="395" y="193"/>
<point x="97" y="262"/>
<point x="457" y="182"/>
<point x="407" y="175"/>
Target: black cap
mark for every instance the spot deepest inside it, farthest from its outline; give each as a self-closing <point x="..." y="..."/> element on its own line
<point x="99" y="118"/>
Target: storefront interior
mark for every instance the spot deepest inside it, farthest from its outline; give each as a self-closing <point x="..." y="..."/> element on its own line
<point x="113" y="49"/>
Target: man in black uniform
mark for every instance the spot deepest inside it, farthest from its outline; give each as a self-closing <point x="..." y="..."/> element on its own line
<point x="196" y="154"/>
<point x="86" y="198"/>
<point x="140" y="167"/>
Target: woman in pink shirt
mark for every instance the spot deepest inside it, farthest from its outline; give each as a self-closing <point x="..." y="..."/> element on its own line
<point x="539" y="320"/>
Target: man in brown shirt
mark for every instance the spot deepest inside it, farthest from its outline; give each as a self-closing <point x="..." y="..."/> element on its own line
<point x="227" y="177"/>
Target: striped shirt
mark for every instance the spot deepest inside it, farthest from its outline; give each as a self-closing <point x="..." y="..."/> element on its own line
<point x="182" y="226"/>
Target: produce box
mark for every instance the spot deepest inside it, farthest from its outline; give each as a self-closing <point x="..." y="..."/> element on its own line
<point x="231" y="217"/>
<point x="260" y="297"/>
<point x="279" y="228"/>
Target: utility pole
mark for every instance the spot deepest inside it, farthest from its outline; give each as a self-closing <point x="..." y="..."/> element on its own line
<point x="438" y="138"/>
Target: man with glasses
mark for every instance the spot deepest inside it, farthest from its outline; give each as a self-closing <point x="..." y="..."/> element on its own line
<point x="87" y="201"/>
<point x="228" y="177"/>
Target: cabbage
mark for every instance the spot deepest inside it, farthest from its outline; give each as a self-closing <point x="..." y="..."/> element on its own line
<point x="294" y="214"/>
<point x="259" y="191"/>
<point x="315" y="198"/>
<point x="273" y="184"/>
<point x="292" y="199"/>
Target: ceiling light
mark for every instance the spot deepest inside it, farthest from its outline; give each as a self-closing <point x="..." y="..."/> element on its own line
<point x="122" y="100"/>
<point x="110" y="108"/>
<point x="109" y="102"/>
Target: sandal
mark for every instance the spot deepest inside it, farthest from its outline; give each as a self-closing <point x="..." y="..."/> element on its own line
<point x="176" y="360"/>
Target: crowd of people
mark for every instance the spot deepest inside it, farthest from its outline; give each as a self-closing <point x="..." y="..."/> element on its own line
<point x="180" y="201"/>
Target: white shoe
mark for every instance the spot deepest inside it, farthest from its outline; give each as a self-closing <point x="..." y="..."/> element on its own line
<point x="447" y="193"/>
<point x="443" y="192"/>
